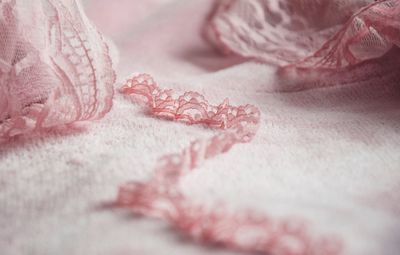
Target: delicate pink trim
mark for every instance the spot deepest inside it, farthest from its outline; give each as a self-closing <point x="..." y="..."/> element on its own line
<point x="55" y="67"/>
<point x="370" y="33"/>
<point x="161" y="196"/>
<point x="307" y="35"/>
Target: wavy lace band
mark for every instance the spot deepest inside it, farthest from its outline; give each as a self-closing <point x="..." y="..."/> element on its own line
<point x="161" y="197"/>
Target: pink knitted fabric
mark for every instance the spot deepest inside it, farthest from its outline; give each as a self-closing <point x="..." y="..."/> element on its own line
<point x="57" y="69"/>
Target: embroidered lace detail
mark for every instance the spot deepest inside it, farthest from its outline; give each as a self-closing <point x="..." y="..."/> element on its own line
<point x="307" y="34"/>
<point x="161" y="196"/>
<point x="55" y="67"/>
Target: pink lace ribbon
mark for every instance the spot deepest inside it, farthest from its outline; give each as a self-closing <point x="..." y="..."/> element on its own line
<point x="161" y="196"/>
<point x="327" y="41"/>
<point x="55" y="67"/>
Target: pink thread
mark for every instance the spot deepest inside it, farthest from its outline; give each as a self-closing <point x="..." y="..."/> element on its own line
<point x="55" y="67"/>
<point x="161" y="197"/>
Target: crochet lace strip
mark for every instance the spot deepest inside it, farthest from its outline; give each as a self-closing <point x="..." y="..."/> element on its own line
<point x="161" y="197"/>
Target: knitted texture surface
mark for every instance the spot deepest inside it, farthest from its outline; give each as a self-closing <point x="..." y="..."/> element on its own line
<point x="320" y="175"/>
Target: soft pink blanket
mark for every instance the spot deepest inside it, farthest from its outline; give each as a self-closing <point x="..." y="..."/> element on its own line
<point x="321" y="176"/>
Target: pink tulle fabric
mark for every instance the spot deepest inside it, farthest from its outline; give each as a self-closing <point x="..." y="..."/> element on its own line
<point x="55" y="68"/>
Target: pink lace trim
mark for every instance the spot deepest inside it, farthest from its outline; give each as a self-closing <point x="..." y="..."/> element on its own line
<point x="55" y="67"/>
<point x="307" y="35"/>
<point x="369" y="34"/>
<point x="161" y="197"/>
